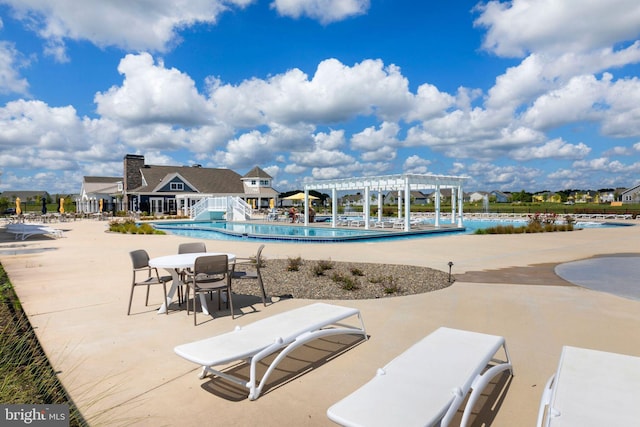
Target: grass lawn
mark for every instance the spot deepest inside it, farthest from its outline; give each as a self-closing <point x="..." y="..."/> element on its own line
<point x="26" y="376"/>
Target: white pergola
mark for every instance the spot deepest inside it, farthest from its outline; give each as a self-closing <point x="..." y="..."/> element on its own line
<point x="403" y="184"/>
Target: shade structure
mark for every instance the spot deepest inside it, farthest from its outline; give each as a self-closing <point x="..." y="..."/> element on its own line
<point x="300" y="196"/>
<point x="18" y="208"/>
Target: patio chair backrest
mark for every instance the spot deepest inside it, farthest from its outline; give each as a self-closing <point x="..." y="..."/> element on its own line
<point x="139" y="258"/>
<point x="211" y="265"/>
<point x="191" y="248"/>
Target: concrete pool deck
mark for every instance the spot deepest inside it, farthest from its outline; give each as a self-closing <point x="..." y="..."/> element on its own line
<point x="121" y="370"/>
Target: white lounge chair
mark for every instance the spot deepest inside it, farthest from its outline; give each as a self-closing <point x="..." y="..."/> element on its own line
<point x="24" y="231"/>
<point x="425" y="385"/>
<point x="255" y="341"/>
<point x="592" y="388"/>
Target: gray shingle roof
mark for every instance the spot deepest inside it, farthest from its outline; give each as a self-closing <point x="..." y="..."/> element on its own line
<point x="205" y="180"/>
<point x="256" y="172"/>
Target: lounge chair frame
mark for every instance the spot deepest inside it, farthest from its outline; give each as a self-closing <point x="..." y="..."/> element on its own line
<point x="24" y="231"/>
<point x="416" y="387"/>
<point x="254" y="342"/>
<point x="592" y="388"/>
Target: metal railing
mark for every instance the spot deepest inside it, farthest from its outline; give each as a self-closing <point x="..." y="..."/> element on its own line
<point x="235" y="208"/>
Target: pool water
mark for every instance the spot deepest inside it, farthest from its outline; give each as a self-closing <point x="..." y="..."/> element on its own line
<point x="221" y="230"/>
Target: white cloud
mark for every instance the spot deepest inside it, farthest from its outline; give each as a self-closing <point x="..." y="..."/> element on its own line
<point x="34" y="124"/>
<point x="600" y="164"/>
<point x="374" y="139"/>
<point x="331" y="141"/>
<point x="325" y="11"/>
<point x="294" y="169"/>
<point x="335" y="93"/>
<point x="573" y="102"/>
<point x="151" y="93"/>
<point x="416" y="164"/>
<point x="109" y="23"/>
<point x="385" y="154"/>
<point x="10" y="62"/>
<point x="479" y="134"/>
<point x="622" y="118"/>
<point x="554" y="149"/>
<point x="505" y="177"/>
<point x="429" y="102"/>
<point x="520" y="26"/>
<point x="321" y="158"/>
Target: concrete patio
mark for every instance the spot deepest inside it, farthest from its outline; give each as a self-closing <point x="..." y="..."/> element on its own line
<point x="121" y="370"/>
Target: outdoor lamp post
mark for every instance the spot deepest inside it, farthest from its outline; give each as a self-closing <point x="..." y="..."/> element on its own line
<point x="450" y="265"/>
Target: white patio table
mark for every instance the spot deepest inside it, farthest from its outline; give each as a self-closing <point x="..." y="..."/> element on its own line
<point x="174" y="263"/>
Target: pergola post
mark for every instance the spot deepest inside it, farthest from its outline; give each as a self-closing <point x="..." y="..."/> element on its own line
<point x="453" y="205"/>
<point x="334" y="207"/>
<point x="437" y="219"/>
<point x="460" y="204"/>
<point x="407" y="205"/>
<point x="306" y="207"/>
<point x="367" y="210"/>
<point x="380" y="205"/>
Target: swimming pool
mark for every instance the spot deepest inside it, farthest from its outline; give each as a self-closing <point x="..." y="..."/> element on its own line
<point x="234" y="231"/>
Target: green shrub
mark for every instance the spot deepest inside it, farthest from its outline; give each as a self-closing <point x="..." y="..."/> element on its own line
<point x="388" y="283"/>
<point x="346" y="283"/>
<point x="356" y="271"/>
<point x="294" y="264"/>
<point x="321" y="267"/>
<point x="129" y="226"/>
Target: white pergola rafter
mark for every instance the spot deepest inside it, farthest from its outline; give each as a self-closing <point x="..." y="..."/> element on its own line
<point x="403" y="184"/>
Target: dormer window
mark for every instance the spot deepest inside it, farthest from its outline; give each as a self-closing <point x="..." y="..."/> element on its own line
<point x="177" y="186"/>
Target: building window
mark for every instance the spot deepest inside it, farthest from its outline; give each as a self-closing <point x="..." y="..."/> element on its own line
<point x="177" y="186"/>
<point x="264" y="183"/>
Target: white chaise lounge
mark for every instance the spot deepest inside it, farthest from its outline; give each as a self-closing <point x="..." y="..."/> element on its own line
<point x="592" y="388"/>
<point x="23" y="231"/>
<point x="425" y="385"/>
<point x="255" y="341"/>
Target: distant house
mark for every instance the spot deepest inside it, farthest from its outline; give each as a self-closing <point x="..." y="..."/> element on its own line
<point x="173" y="189"/>
<point x="500" y="197"/>
<point x="606" y="197"/>
<point x="352" y="200"/>
<point x="417" y="198"/>
<point x="631" y="195"/>
<point x="547" y="197"/>
<point x="445" y="195"/>
<point x="477" y="196"/>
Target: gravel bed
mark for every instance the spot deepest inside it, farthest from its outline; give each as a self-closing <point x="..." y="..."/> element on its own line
<point x="324" y="279"/>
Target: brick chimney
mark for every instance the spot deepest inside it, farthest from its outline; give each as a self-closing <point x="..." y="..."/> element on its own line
<point x="132" y="175"/>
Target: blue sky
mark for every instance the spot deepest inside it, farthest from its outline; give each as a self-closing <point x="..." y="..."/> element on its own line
<point x="523" y="94"/>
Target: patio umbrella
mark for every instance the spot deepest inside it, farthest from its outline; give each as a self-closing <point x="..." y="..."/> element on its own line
<point x="101" y="204"/>
<point x="300" y="196"/>
<point x="61" y="204"/>
<point x="44" y="205"/>
<point x="18" y="208"/>
<point x="271" y="203"/>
